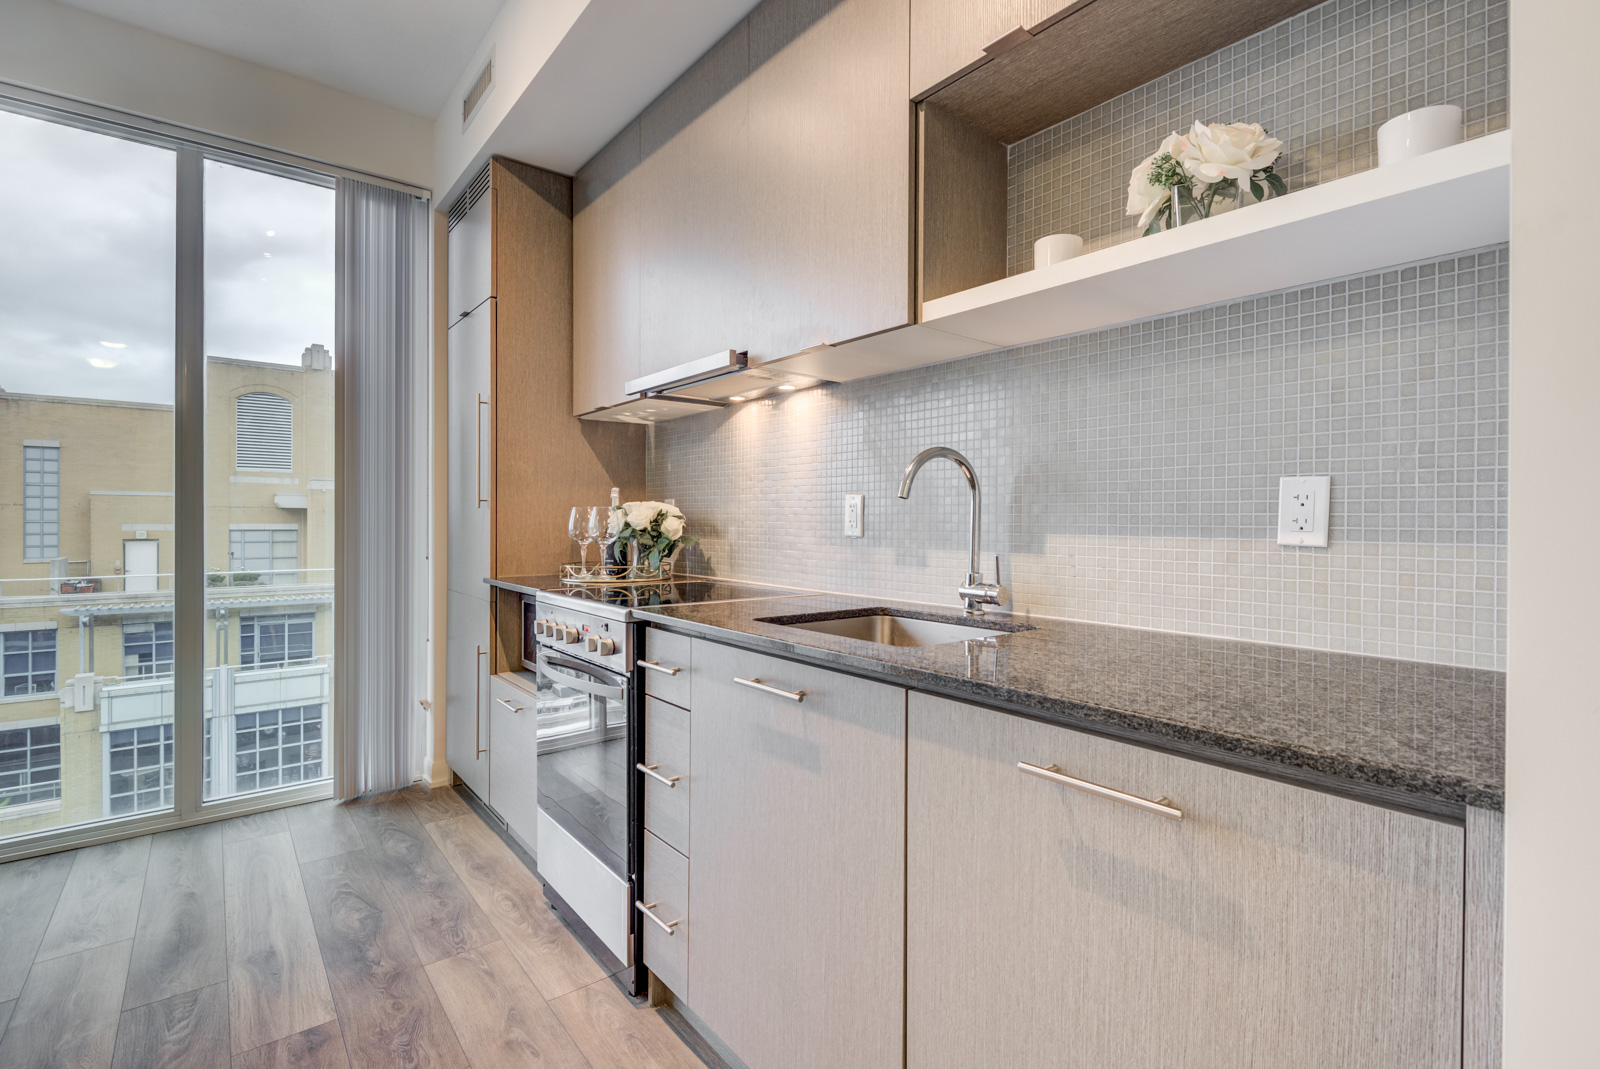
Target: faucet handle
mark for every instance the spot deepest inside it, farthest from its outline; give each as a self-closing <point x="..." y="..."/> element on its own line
<point x="976" y="592"/>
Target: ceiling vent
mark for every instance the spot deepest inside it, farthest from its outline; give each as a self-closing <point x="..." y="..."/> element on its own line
<point x="480" y="90"/>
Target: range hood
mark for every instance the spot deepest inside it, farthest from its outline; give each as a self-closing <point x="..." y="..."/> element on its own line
<point x="714" y="381"/>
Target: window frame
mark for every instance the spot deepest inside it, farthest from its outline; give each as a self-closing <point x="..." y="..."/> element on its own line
<point x="47" y="516"/>
<point x="6" y="653"/>
<point x="274" y="576"/>
<point x="255" y="621"/>
<point x="153" y="625"/>
<point x="28" y="727"/>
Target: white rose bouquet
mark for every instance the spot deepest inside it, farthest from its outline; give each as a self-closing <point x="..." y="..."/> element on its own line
<point x="1196" y="167"/>
<point x="656" y="527"/>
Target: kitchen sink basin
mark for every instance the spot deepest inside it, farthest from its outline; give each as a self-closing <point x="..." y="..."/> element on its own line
<point x="894" y="627"/>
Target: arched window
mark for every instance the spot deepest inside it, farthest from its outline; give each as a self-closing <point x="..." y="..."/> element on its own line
<point x="264" y="428"/>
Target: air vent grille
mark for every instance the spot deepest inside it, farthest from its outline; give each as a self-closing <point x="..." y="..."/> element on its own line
<point x="264" y="428"/>
<point x="469" y="196"/>
<point x="480" y="89"/>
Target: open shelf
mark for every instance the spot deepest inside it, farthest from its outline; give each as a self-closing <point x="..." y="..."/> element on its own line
<point x="1448" y="201"/>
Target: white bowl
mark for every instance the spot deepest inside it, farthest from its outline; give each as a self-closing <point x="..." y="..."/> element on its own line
<point x="1405" y="137"/>
<point x="1053" y="248"/>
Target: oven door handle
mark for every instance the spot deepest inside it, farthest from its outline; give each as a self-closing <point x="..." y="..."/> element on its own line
<point x="547" y="665"/>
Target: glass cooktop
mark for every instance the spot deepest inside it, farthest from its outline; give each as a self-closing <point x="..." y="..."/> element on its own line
<point x="684" y="592"/>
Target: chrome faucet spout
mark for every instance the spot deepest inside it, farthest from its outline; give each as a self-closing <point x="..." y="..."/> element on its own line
<point x="975" y="593"/>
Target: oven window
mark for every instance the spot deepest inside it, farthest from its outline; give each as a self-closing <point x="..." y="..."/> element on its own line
<point x="583" y="762"/>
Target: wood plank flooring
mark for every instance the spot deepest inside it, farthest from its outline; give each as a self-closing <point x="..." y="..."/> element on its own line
<point x="396" y="931"/>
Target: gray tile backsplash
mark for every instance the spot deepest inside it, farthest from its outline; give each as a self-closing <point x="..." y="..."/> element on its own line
<point x="1130" y="474"/>
<point x="1322" y="81"/>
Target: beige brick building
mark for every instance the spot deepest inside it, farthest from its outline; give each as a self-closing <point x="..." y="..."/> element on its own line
<point x="86" y="556"/>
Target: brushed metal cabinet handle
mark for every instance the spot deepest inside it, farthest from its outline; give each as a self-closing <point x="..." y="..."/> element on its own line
<point x="756" y="684"/>
<point x="477" y="704"/>
<point x="478" y="446"/>
<point x="650" y="770"/>
<point x="1161" y="807"/>
<point x="665" y="926"/>
<point x="657" y="667"/>
<point x="508" y="705"/>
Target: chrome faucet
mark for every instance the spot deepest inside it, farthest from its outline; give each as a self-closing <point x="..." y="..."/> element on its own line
<point x="975" y="593"/>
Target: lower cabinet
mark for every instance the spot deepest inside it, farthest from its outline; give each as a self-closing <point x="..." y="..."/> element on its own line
<point x="1271" y="926"/>
<point x="468" y="629"/>
<point x="514" y="758"/>
<point x="797" y="878"/>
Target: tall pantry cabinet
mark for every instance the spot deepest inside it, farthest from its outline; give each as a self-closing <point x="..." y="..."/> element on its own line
<point x="518" y="460"/>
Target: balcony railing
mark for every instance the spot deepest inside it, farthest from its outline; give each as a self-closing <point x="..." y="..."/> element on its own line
<point x="88" y="586"/>
<point x="129" y="700"/>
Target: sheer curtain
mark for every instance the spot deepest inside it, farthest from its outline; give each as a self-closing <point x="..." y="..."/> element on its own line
<point x="381" y="331"/>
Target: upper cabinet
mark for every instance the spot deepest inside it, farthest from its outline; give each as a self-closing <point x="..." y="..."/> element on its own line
<point x="948" y="36"/>
<point x="472" y="258"/>
<point x="762" y="203"/>
<point x="605" y="274"/>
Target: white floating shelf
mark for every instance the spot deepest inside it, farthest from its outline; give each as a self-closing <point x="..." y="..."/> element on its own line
<point x="1447" y="201"/>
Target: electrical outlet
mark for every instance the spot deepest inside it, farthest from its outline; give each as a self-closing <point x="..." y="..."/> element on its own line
<point x="854" y="506"/>
<point x="1303" y="510"/>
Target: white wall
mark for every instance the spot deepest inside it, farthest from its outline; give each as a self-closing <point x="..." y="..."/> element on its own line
<point x="63" y="50"/>
<point x="1553" y="718"/>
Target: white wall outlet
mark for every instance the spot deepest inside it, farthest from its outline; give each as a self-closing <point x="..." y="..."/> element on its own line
<point x="855" y="505"/>
<point x="1303" y="510"/>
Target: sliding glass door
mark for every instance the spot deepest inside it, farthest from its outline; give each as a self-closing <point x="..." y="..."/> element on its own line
<point x="118" y="246"/>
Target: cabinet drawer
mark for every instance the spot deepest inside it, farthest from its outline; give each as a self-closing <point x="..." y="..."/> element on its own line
<point x="666" y="746"/>
<point x="666" y="885"/>
<point x="667" y="651"/>
<point x="513" y="761"/>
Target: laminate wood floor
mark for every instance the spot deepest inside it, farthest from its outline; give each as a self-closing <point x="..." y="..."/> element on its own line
<point x="397" y="931"/>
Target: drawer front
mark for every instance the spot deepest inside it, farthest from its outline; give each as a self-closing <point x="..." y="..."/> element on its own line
<point x="668" y="651"/>
<point x="666" y="884"/>
<point x="666" y="745"/>
<point x="513" y="762"/>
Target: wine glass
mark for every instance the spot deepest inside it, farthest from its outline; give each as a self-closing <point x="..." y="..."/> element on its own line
<point x="577" y="530"/>
<point x="607" y="537"/>
<point x="595" y="529"/>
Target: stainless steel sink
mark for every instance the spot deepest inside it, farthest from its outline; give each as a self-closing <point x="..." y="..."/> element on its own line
<point x="889" y="627"/>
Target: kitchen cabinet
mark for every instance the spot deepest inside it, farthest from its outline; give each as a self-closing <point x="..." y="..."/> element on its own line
<point x="948" y="36"/>
<point x="605" y="274"/>
<point x="797" y="879"/>
<point x="471" y="258"/>
<point x="1272" y="925"/>
<point x="514" y="757"/>
<point x="695" y="215"/>
<point x="471" y="452"/>
<point x="766" y="208"/>
<point x="666" y="890"/>
<point x="666" y="750"/>
<point x="467" y="689"/>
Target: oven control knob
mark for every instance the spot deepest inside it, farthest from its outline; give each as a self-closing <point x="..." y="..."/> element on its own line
<point x="573" y="635"/>
<point x="592" y="644"/>
<point x="607" y="647"/>
<point x="538" y="627"/>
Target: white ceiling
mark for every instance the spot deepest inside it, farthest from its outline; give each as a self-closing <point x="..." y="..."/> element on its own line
<point x="404" y="53"/>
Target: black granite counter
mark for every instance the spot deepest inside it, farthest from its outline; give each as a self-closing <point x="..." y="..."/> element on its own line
<point x="1424" y="737"/>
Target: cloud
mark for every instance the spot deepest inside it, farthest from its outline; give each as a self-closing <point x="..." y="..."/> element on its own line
<point x="87" y="256"/>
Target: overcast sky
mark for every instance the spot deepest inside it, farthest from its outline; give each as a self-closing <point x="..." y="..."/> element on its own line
<point x="86" y="264"/>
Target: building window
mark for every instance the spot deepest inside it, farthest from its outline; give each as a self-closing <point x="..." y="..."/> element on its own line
<point x="263" y="432"/>
<point x="277" y="748"/>
<point x="265" y="640"/>
<point x="139" y="763"/>
<point x="41" y="502"/>
<point x="30" y="764"/>
<point x="30" y="662"/>
<point x="147" y="648"/>
<point x="271" y="554"/>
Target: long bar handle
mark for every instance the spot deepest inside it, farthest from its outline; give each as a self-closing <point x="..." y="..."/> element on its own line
<point x="650" y="770"/>
<point x="657" y="667"/>
<point x="477" y="704"/>
<point x="478" y="446"/>
<point x="665" y="926"/>
<point x="756" y="684"/>
<point x="1161" y="807"/>
<point x="508" y="705"/>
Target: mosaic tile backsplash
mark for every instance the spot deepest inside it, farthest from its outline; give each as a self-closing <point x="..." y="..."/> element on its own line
<point x="1130" y="475"/>
<point x="1322" y="81"/>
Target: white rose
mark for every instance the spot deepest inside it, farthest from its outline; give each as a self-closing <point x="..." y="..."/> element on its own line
<point x="1217" y="152"/>
<point x="1145" y="198"/>
<point x="672" y="527"/>
<point x="641" y="514"/>
<point x="615" y="519"/>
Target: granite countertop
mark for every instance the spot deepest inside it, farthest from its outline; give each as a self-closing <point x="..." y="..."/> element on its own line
<point x="1423" y="737"/>
<point x="525" y="584"/>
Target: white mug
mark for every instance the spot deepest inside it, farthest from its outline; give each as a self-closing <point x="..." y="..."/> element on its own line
<point x="1054" y="248"/>
<point x="1405" y="137"/>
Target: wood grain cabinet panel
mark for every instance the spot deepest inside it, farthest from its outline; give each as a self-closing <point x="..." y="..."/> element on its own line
<point x="829" y="174"/>
<point x="605" y="274"/>
<point x="797" y="878"/>
<point x="949" y="35"/>
<point x="695" y="211"/>
<point x="1272" y="926"/>
<point x="666" y="746"/>
<point x="666" y="891"/>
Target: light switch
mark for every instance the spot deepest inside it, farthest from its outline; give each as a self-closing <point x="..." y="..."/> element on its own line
<point x="854" y="506"/>
<point x="1303" y="510"/>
